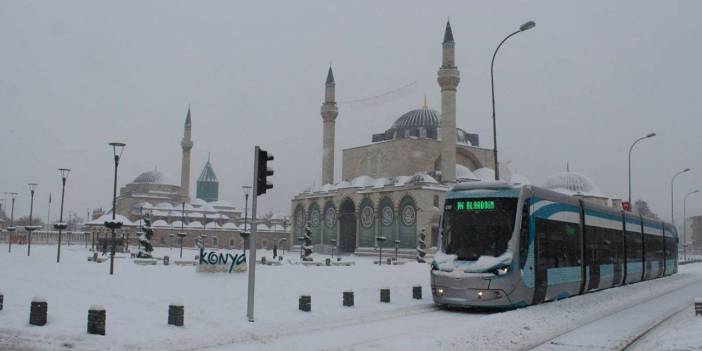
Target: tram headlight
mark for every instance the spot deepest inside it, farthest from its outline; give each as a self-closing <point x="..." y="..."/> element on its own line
<point x="439" y="291"/>
<point x="501" y="270"/>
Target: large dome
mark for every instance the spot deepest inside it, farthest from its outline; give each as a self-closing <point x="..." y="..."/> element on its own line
<point x="573" y="183"/>
<point x="153" y="177"/>
<point x="423" y="117"/>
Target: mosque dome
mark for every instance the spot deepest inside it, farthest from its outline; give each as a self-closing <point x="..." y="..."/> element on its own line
<point x="423" y="117"/>
<point x="153" y="177"/>
<point x="422" y="123"/>
<point x="572" y="183"/>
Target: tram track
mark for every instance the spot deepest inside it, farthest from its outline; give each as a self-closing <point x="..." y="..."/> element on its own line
<point x="627" y="340"/>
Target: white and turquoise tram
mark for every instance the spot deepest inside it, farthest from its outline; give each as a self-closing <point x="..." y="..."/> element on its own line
<point x="507" y="246"/>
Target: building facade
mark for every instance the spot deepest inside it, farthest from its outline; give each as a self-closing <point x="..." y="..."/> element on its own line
<point x="391" y="189"/>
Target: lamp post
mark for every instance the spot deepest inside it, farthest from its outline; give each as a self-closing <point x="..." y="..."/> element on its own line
<point x="524" y="27"/>
<point x="117" y="149"/>
<point x="30" y="227"/>
<point x="650" y="135"/>
<point x="685" y="222"/>
<point x="247" y="191"/>
<point x="11" y="228"/>
<point x="182" y="233"/>
<point x="60" y="225"/>
<point x="380" y="240"/>
<point x="672" y="195"/>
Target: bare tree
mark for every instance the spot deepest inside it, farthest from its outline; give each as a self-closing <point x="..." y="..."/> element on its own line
<point x="641" y="208"/>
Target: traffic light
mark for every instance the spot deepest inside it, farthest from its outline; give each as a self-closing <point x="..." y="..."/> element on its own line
<point x="262" y="184"/>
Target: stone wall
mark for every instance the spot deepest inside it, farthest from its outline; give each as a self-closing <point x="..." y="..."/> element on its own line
<point x="403" y="157"/>
<point x="226" y="239"/>
<point x="427" y="200"/>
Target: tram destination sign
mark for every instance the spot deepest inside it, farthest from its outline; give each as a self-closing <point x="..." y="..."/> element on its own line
<point x="475" y="205"/>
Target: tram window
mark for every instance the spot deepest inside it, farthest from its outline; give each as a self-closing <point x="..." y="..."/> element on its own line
<point x="633" y="246"/>
<point x="524" y="235"/>
<point x="559" y="244"/>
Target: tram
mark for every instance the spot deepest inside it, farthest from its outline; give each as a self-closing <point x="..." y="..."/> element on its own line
<point x="505" y="246"/>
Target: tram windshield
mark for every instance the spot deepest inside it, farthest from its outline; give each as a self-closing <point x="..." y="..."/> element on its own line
<point x="478" y="227"/>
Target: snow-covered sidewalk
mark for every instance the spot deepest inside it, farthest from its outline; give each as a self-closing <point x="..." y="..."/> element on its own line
<point x="137" y="298"/>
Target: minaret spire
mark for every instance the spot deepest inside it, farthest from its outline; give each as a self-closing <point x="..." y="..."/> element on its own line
<point x="448" y="78"/>
<point x="186" y="144"/>
<point x="329" y="112"/>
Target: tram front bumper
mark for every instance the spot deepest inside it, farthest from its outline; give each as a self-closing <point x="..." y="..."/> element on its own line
<point x="469" y="297"/>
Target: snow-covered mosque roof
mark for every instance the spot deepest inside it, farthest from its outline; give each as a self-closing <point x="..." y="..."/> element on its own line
<point x="108" y="217"/>
<point x="160" y="223"/>
<point x="199" y="202"/>
<point x="519" y="179"/>
<point x="375" y="183"/>
<point x="463" y="173"/>
<point x="229" y="225"/>
<point x="154" y="177"/>
<point x="572" y="183"/>
<point x="485" y="174"/>
<point x="221" y="203"/>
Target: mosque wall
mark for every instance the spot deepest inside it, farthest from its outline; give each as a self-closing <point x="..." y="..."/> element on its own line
<point x="390" y="158"/>
<point x="401" y="157"/>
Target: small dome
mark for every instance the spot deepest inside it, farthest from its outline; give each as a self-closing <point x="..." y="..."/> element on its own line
<point x="485" y="174"/>
<point x="463" y="173"/>
<point x="572" y="183"/>
<point x="153" y="177"/>
<point x="423" y="117"/>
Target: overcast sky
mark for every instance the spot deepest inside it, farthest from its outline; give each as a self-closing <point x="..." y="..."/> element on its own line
<point x="588" y="80"/>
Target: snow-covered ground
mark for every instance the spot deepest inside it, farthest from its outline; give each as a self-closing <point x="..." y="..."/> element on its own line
<point x="136" y="299"/>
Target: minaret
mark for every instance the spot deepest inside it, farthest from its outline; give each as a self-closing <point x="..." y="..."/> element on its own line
<point x="329" y="113"/>
<point x="448" y="78"/>
<point x="187" y="145"/>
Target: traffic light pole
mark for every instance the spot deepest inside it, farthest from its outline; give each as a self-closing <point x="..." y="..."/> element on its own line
<point x="252" y="242"/>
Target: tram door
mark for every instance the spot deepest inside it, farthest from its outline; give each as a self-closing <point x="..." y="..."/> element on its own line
<point x="541" y="265"/>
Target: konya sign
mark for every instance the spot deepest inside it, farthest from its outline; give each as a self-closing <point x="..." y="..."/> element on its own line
<point x="213" y="261"/>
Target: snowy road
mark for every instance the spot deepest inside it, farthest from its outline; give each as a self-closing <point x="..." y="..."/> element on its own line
<point x="136" y="299"/>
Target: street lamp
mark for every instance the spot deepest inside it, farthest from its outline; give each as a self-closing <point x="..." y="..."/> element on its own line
<point x="182" y="233"/>
<point x="672" y="195"/>
<point x="60" y="225"/>
<point x="650" y="135"/>
<point x="247" y="191"/>
<point x="685" y="222"/>
<point x="380" y="240"/>
<point x="11" y="228"/>
<point x="117" y="149"/>
<point x="524" y="27"/>
<point x="30" y="227"/>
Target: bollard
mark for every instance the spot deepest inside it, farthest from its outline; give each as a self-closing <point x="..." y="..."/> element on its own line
<point x="96" y="320"/>
<point x="389" y="261"/>
<point x="417" y="292"/>
<point x="698" y="306"/>
<point x="327" y="261"/>
<point x="2" y="298"/>
<point x="263" y="260"/>
<point x="166" y="260"/>
<point x="176" y="314"/>
<point x="305" y="303"/>
<point x="37" y="311"/>
<point x="385" y="295"/>
<point x="348" y="298"/>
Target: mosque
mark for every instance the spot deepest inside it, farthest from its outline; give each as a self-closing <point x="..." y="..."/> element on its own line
<point x="172" y="210"/>
<point x="392" y="188"/>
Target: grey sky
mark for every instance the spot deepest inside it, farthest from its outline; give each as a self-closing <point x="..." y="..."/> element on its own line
<point x="579" y="88"/>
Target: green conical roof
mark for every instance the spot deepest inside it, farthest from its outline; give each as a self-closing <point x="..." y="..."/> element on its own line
<point x="208" y="174"/>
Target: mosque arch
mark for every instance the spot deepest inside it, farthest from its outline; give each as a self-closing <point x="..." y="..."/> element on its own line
<point x="367" y="230"/>
<point x="388" y="222"/>
<point x="329" y="224"/>
<point x="315" y="223"/>
<point x="407" y="222"/>
<point x="299" y="221"/>
<point x="347" y="226"/>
